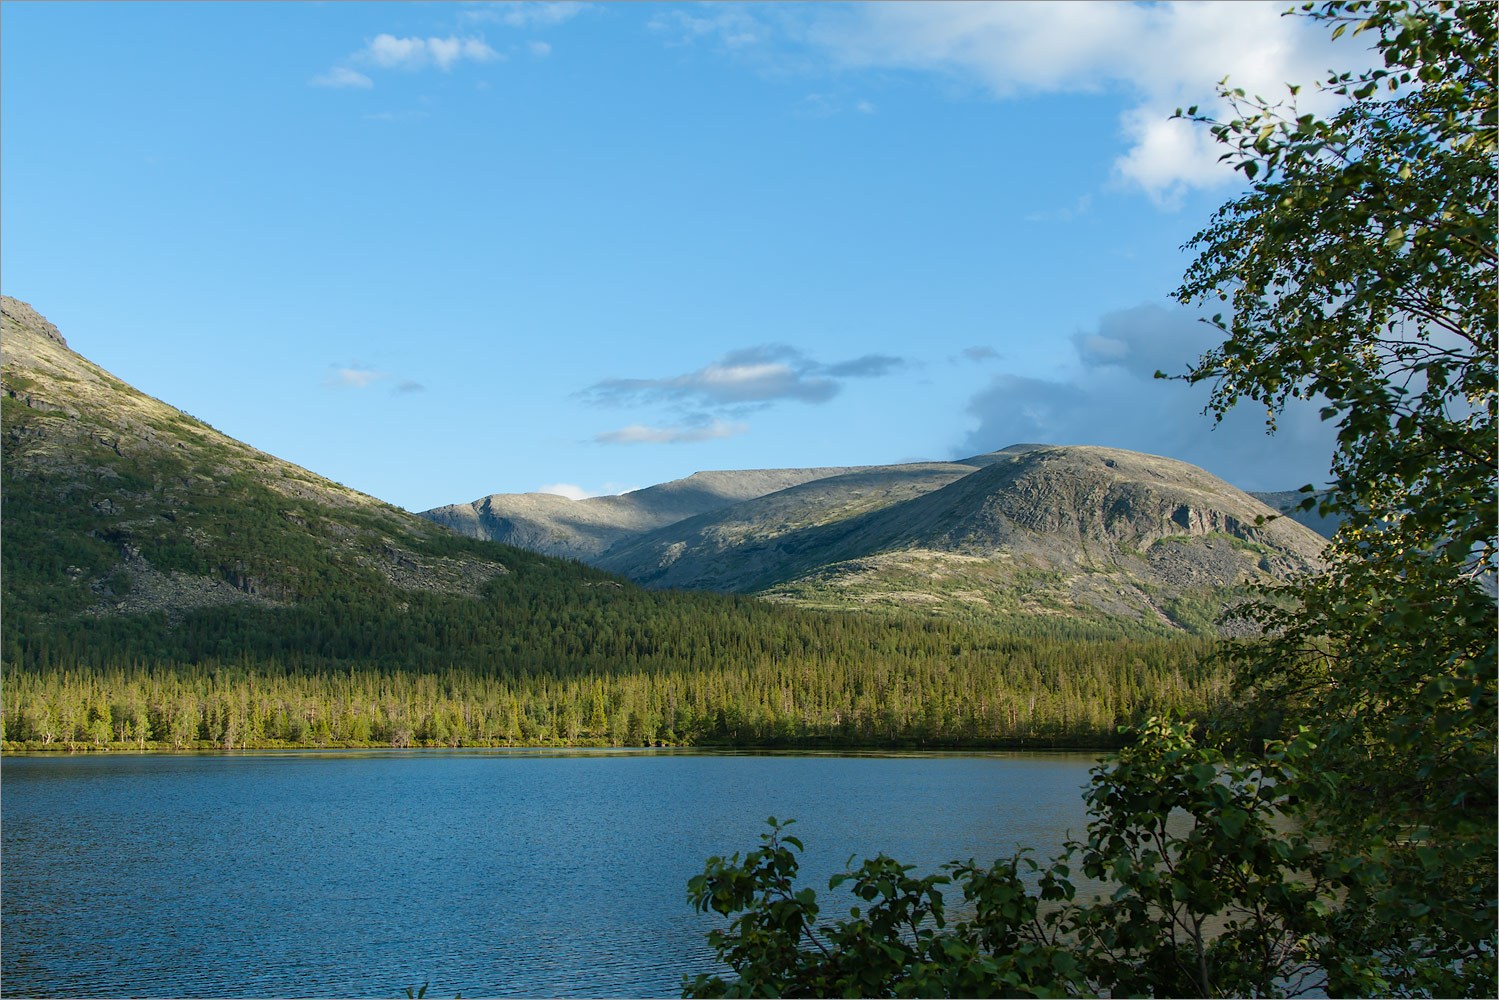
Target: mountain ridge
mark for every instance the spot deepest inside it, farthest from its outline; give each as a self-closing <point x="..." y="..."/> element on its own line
<point x="847" y="539"/>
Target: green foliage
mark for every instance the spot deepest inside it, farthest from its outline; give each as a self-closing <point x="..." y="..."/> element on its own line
<point x="1361" y="273"/>
<point x="1211" y="892"/>
<point x="1358" y="856"/>
<point x="896" y="944"/>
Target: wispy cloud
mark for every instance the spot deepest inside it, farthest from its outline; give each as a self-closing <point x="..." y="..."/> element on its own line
<point x="753" y="375"/>
<point x="680" y="434"/>
<point x="342" y="76"/>
<point x="360" y="376"/>
<point x="828" y="105"/>
<point x="1064" y="214"/>
<point x="524" y="15"/>
<point x="353" y="376"/>
<point x="729" y="26"/>
<point x="981" y="353"/>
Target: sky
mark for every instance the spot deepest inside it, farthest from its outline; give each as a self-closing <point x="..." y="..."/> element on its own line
<point x="439" y="251"/>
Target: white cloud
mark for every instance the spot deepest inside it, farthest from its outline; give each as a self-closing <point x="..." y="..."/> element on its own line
<point x="539" y="49"/>
<point x="1158" y="57"/>
<point x="681" y="434"/>
<point x="342" y="76"/>
<point x="1111" y="398"/>
<point x="390" y="52"/>
<point x="354" y="376"/>
<point x="1163" y="56"/>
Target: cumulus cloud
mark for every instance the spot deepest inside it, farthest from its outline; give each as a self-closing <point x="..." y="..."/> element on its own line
<point x="342" y="76"/>
<point x="1111" y="398"/>
<point x="1159" y="56"/>
<point x="389" y="52"/>
<point x="761" y="374"/>
<point x="1164" y="56"/>
<point x="680" y="434"/>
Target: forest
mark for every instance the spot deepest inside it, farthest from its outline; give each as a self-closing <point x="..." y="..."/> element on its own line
<point x="724" y="680"/>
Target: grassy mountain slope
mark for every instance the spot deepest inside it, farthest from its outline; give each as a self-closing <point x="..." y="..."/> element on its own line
<point x="119" y="505"/>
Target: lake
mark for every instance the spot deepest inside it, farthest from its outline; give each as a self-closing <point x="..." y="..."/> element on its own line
<point x="490" y="873"/>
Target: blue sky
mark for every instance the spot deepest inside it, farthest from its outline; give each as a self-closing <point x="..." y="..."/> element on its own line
<point x="437" y="251"/>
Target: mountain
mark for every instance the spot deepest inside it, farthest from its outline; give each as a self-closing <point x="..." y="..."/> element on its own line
<point x="1092" y="533"/>
<point x="585" y="529"/>
<point x="1096" y="533"/>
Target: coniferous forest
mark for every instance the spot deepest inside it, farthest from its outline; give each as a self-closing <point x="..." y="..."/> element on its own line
<point x="625" y="667"/>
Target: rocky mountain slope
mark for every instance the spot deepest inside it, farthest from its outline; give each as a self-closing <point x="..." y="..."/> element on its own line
<point x="1093" y="533"/>
<point x="1097" y="533"/>
<point x="585" y="529"/>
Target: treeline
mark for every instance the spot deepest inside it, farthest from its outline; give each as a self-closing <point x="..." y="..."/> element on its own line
<point x="1020" y="692"/>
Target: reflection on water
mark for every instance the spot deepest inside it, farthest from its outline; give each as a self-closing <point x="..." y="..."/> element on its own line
<point x="490" y="873"/>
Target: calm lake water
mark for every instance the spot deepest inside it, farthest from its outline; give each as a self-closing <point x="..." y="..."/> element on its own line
<point x="489" y="873"/>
